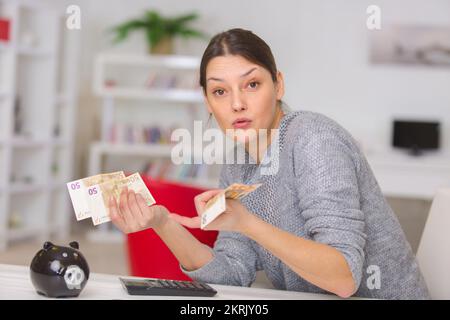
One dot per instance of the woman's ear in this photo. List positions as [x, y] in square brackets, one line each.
[280, 85]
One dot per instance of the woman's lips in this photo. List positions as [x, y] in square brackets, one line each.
[241, 123]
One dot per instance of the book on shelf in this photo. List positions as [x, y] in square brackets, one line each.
[133, 134]
[156, 80]
[171, 81]
[165, 169]
[4, 29]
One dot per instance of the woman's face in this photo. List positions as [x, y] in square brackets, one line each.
[242, 95]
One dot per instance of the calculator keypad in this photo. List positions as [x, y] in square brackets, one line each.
[167, 287]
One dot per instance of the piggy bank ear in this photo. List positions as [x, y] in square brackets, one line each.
[47, 245]
[74, 245]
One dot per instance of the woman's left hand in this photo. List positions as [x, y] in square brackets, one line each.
[233, 218]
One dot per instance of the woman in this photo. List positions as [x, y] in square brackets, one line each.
[318, 224]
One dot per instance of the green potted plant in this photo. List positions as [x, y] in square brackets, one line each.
[160, 31]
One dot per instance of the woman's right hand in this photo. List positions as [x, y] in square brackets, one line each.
[200, 203]
[132, 214]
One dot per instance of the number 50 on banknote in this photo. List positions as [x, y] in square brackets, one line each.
[78, 192]
[100, 194]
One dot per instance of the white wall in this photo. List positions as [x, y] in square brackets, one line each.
[331, 72]
[320, 45]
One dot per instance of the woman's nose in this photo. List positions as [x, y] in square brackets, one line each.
[238, 104]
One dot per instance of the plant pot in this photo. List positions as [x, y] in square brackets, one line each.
[164, 46]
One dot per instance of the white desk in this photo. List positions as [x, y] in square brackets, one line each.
[405, 176]
[15, 283]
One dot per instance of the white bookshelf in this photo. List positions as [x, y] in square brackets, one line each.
[190, 99]
[127, 92]
[172, 95]
[37, 69]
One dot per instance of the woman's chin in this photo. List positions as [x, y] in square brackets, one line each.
[245, 138]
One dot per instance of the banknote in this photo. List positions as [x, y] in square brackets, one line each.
[99, 195]
[216, 205]
[78, 191]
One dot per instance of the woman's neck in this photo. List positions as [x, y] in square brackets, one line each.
[263, 144]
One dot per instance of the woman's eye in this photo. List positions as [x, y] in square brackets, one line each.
[218, 92]
[253, 84]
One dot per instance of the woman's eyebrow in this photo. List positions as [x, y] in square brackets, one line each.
[248, 72]
[241, 76]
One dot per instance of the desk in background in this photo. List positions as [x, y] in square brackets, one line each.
[405, 176]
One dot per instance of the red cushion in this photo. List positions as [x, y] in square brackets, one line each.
[148, 255]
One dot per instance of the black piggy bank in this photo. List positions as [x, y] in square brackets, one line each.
[58, 271]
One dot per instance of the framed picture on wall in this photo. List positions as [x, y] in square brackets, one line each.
[411, 45]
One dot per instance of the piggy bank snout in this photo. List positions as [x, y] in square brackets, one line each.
[74, 277]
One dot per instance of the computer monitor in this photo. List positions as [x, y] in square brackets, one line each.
[416, 136]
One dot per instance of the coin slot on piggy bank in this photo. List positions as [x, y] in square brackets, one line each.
[58, 271]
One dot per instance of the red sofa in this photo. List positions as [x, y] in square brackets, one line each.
[148, 255]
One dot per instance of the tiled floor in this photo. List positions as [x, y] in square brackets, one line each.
[111, 258]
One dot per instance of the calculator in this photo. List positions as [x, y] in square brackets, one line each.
[162, 287]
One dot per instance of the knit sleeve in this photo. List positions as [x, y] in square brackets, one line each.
[235, 261]
[326, 165]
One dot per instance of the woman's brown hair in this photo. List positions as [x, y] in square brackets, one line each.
[242, 43]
